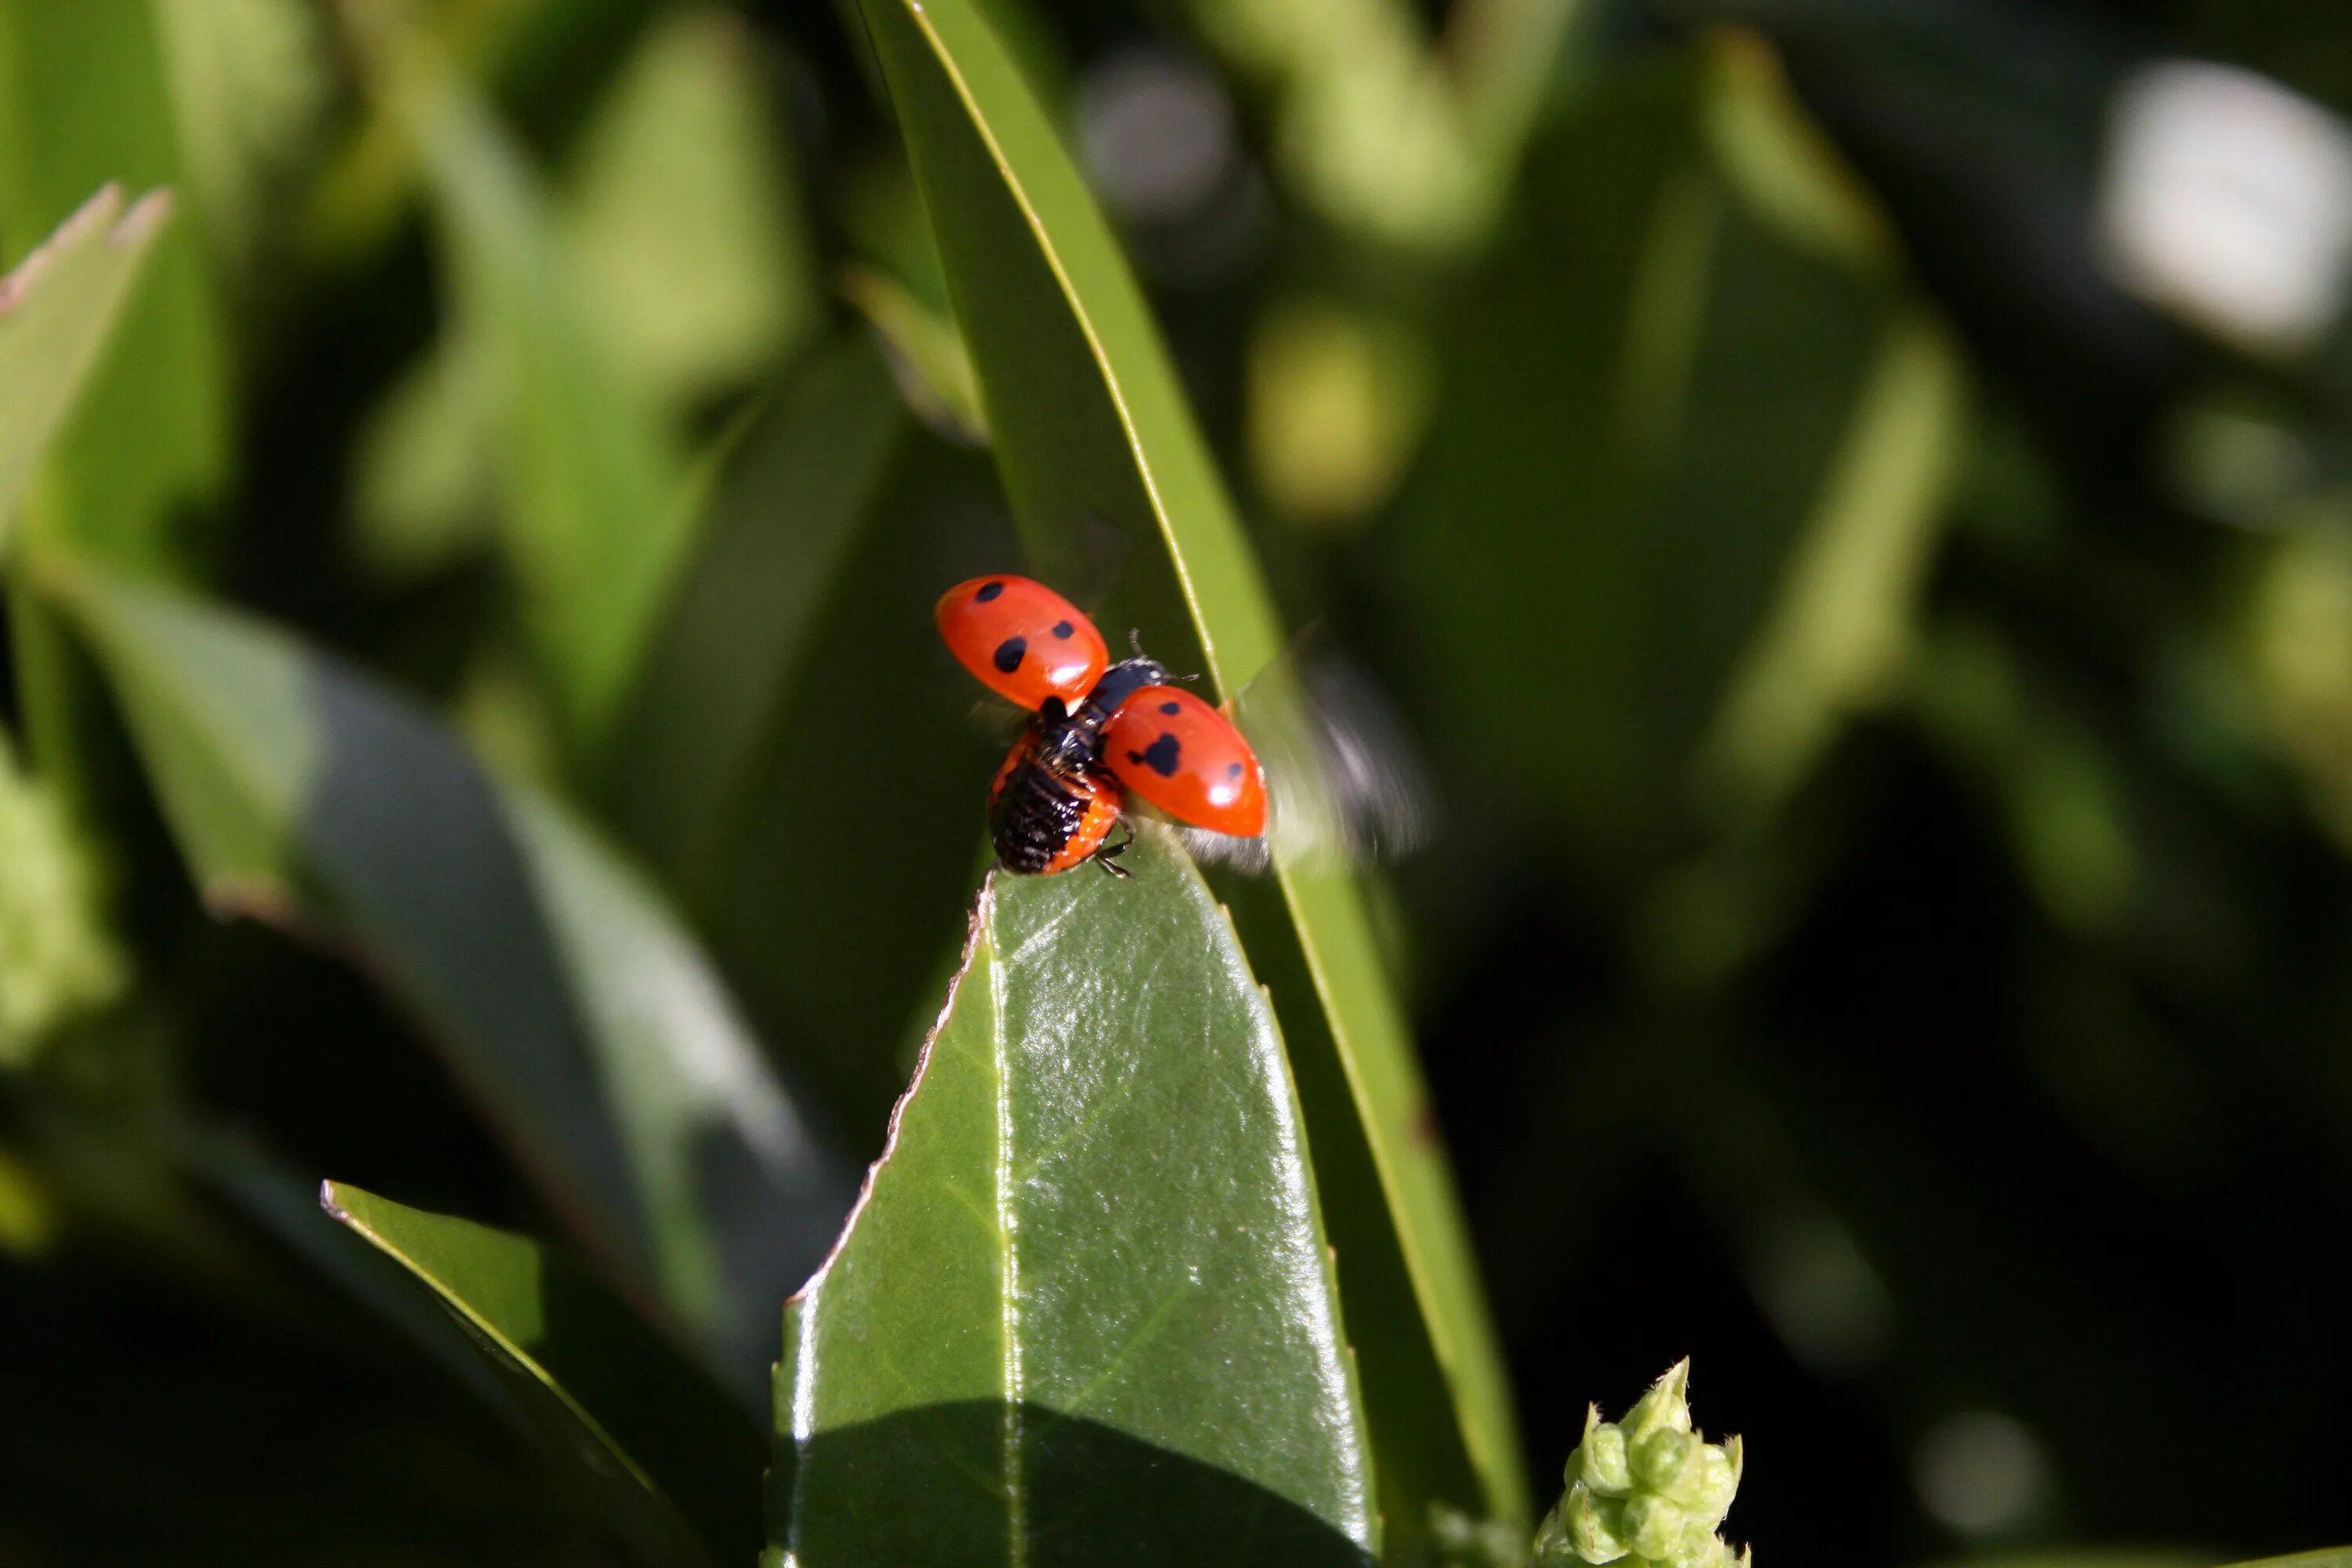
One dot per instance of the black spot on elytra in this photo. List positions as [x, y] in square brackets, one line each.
[1233, 770]
[1171, 708]
[1008, 652]
[1062, 629]
[1160, 756]
[988, 591]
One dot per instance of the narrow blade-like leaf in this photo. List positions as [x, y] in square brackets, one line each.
[1114, 490]
[1084, 1312]
[751, 605]
[674, 1464]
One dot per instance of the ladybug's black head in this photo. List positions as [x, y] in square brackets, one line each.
[1123, 680]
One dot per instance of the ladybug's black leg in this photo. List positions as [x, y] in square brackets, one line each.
[1107, 856]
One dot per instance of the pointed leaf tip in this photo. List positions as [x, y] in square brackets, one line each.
[1093, 1253]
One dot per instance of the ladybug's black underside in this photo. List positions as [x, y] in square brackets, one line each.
[1043, 801]
[1034, 815]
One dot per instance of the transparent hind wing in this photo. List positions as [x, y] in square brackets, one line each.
[1345, 784]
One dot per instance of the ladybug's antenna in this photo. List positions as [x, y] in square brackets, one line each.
[1135, 640]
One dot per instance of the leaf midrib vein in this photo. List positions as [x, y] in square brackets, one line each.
[1017, 1520]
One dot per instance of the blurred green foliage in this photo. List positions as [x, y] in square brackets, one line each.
[1860, 523]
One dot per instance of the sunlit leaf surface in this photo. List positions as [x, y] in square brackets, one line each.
[1084, 1312]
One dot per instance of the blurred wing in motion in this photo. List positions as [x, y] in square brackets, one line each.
[1345, 783]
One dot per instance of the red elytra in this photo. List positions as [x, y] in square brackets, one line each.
[1109, 729]
[1186, 758]
[1022, 640]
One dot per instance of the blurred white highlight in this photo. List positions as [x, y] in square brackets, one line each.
[1979, 1472]
[1157, 133]
[2228, 201]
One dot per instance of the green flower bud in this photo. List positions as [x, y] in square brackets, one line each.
[1649, 1491]
[1553, 1549]
[1665, 1407]
[1699, 1548]
[1653, 1524]
[1669, 1462]
[1596, 1526]
[1600, 1461]
[1719, 1480]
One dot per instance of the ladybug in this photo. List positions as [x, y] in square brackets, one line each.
[1101, 730]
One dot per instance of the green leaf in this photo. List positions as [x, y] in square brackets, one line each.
[250, 80]
[1100, 454]
[1368, 124]
[85, 100]
[567, 998]
[788, 514]
[57, 311]
[1728, 576]
[424, 473]
[596, 503]
[1838, 634]
[652, 1438]
[2329, 1557]
[1085, 1311]
[281, 1203]
[754, 771]
[683, 215]
[58, 956]
[928, 358]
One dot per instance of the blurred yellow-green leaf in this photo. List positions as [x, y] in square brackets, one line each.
[682, 210]
[594, 503]
[250, 84]
[927, 357]
[58, 311]
[85, 101]
[58, 959]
